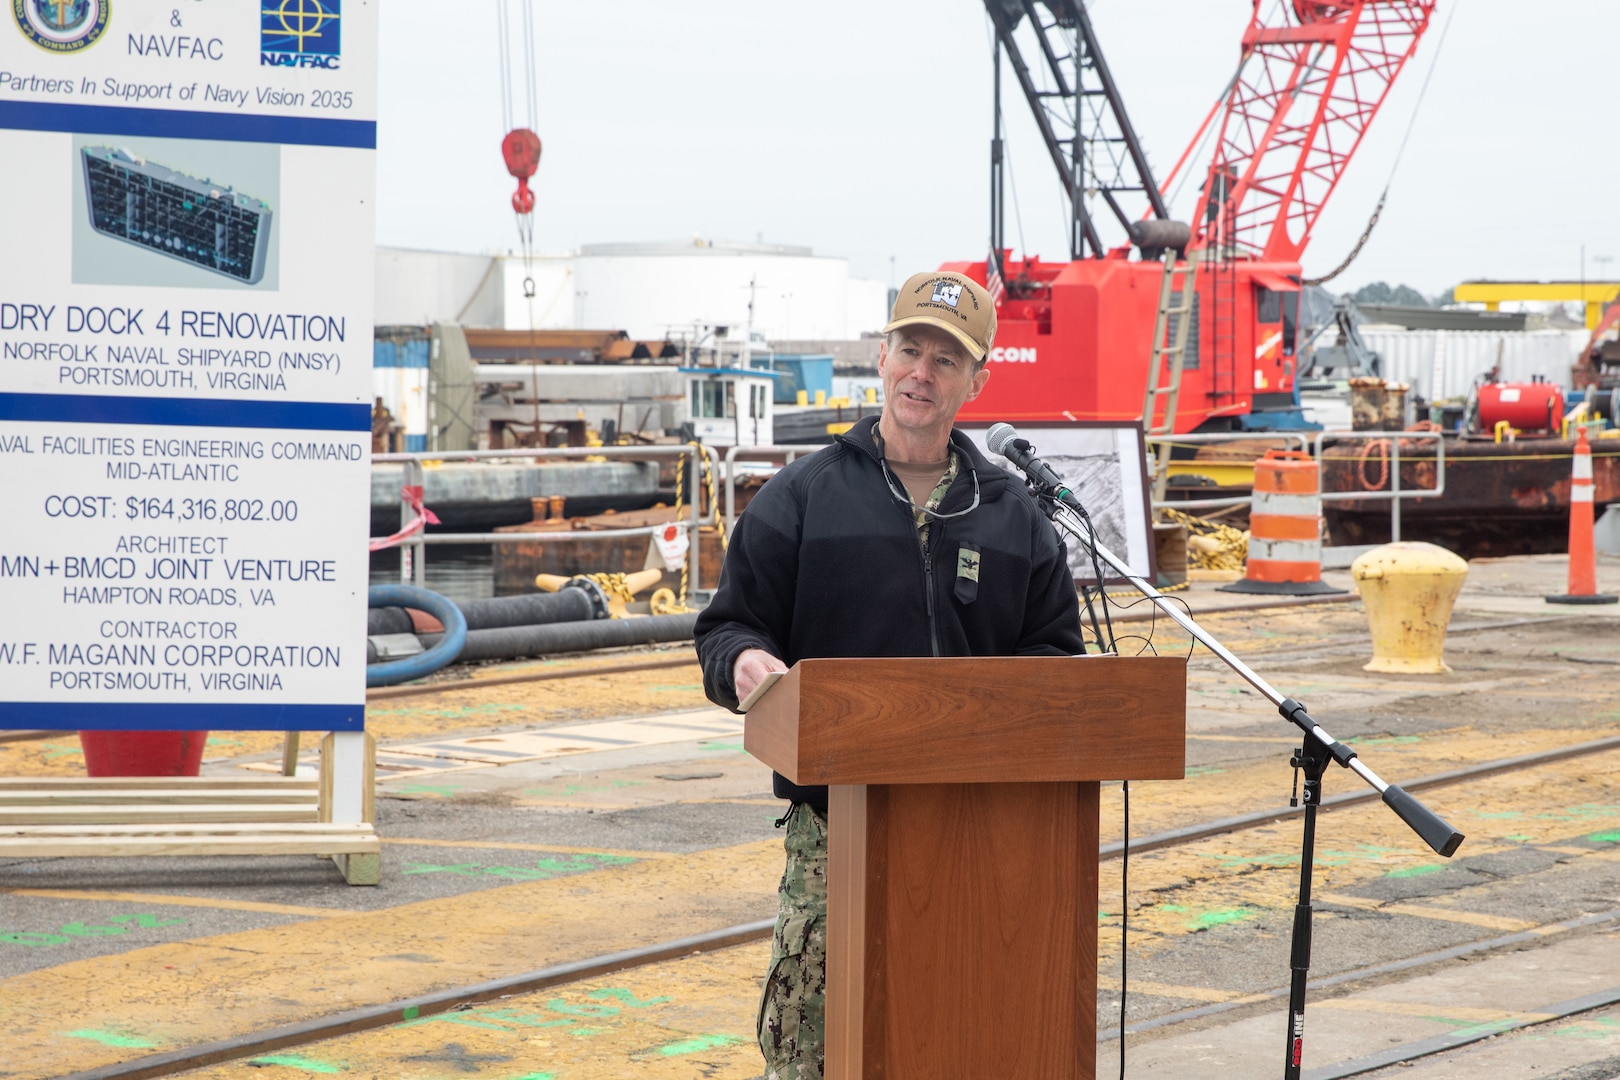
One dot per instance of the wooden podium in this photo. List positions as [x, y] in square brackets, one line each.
[963, 837]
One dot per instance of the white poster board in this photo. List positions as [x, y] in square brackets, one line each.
[1105, 465]
[185, 363]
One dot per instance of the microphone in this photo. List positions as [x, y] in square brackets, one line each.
[1003, 439]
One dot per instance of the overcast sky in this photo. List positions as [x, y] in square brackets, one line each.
[860, 128]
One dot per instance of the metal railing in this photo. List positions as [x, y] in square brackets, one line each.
[1312, 442]
[1294, 440]
[1394, 494]
[413, 549]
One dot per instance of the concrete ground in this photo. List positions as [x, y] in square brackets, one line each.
[1502, 961]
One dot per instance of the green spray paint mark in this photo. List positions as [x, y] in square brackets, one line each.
[112, 1038]
[626, 997]
[220, 740]
[1473, 1028]
[442, 791]
[535, 1076]
[701, 1042]
[410, 1012]
[467, 1018]
[1203, 770]
[1415, 871]
[1210, 919]
[1383, 740]
[587, 1032]
[1362, 853]
[1171, 907]
[558, 1005]
[737, 746]
[117, 924]
[293, 1061]
[56, 750]
[1605, 838]
[1599, 1027]
[542, 870]
[582, 789]
[32, 940]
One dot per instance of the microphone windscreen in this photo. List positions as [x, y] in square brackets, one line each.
[999, 436]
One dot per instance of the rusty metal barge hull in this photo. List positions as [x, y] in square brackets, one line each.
[1499, 499]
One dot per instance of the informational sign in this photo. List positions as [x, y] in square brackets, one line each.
[1104, 464]
[186, 260]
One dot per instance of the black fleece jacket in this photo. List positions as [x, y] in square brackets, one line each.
[826, 561]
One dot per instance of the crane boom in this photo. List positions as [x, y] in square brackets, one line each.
[1313, 75]
[1078, 109]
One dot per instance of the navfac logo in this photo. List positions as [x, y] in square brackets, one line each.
[62, 26]
[301, 33]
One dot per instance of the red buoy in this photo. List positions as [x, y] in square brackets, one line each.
[521, 149]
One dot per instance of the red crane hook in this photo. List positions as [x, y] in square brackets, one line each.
[521, 149]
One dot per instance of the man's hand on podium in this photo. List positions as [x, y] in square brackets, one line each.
[751, 667]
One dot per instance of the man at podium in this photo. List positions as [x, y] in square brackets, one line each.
[899, 540]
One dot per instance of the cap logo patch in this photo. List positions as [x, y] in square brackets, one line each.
[946, 292]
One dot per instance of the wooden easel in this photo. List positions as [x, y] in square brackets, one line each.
[51, 817]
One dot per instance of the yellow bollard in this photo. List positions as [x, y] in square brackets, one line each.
[1409, 588]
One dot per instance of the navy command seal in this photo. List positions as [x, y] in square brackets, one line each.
[900, 539]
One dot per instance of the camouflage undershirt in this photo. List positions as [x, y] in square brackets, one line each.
[952, 470]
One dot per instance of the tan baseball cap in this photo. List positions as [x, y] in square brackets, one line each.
[951, 302]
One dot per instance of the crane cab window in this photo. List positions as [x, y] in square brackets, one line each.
[1271, 306]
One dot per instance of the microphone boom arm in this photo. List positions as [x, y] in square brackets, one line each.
[1434, 831]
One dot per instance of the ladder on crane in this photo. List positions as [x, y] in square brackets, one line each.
[1170, 329]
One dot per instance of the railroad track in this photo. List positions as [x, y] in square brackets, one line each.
[255, 1044]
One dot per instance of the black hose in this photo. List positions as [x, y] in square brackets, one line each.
[513, 642]
[570, 604]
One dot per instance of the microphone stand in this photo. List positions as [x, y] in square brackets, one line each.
[1312, 758]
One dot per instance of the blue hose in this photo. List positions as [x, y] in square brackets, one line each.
[426, 663]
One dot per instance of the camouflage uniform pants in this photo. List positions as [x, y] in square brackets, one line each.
[792, 1011]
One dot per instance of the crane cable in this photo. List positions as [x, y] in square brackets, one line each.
[525, 220]
[1372, 222]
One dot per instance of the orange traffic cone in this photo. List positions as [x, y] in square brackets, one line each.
[1582, 550]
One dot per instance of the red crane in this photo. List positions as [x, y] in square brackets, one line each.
[1307, 88]
[1076, 337]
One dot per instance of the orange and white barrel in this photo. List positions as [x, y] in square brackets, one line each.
[1285, 528]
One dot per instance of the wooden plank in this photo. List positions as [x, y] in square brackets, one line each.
[224, 845]
[145, 783]
[128, 814]
[154, 797]
[247, 828]
[359, 868]
[975, 720]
